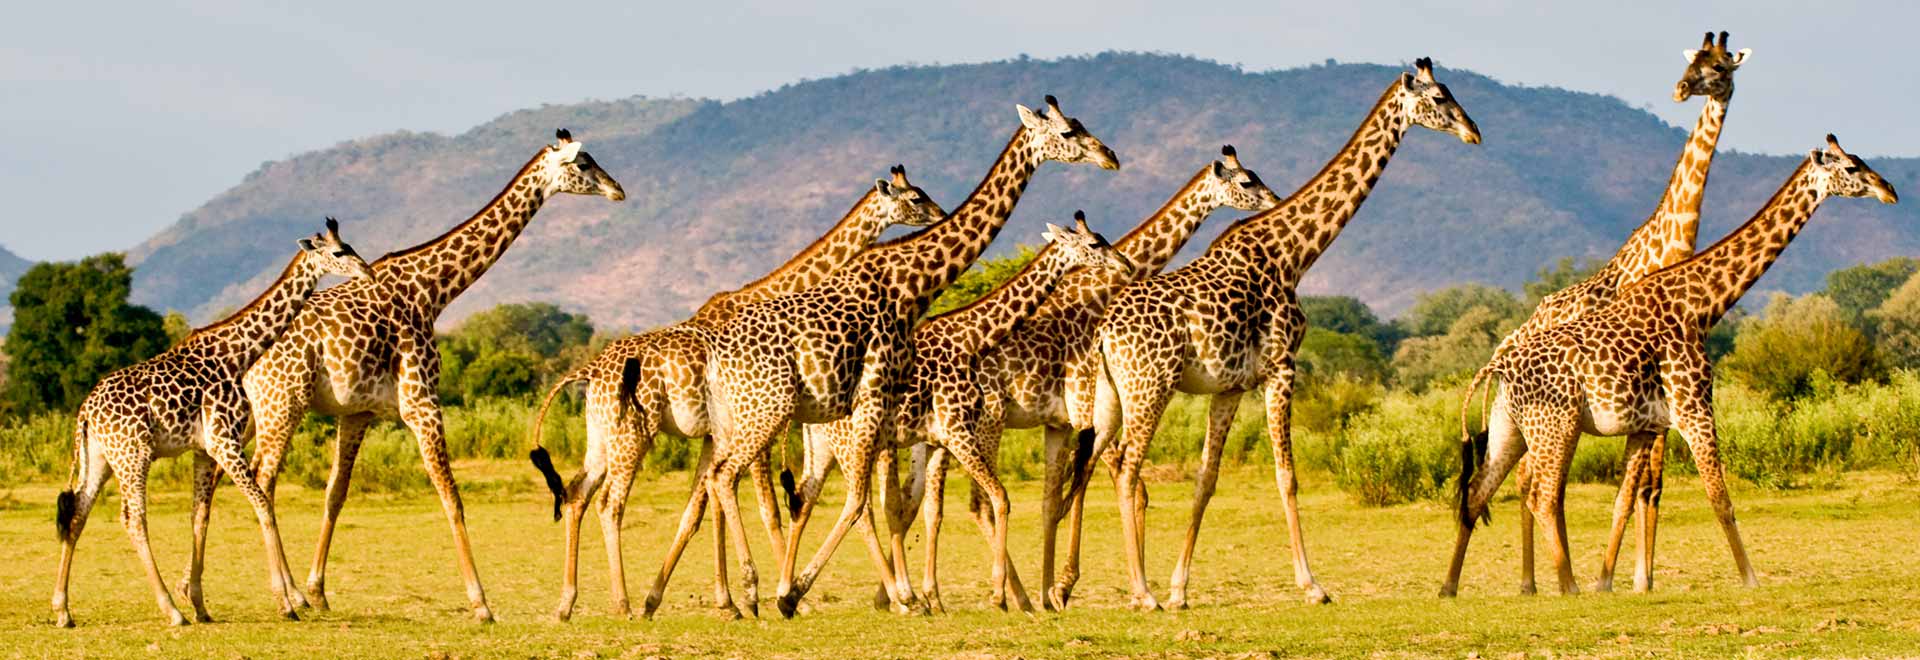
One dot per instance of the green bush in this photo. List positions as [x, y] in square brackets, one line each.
[1780, 353]
[1405, 450]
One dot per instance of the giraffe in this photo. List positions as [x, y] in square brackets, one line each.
[364, 351]
[1666, 238]
[1230, 321]
[188, 399]
[1042, 369]
[670, 392]
[1638, 366]
[941, 399]
[836, 350]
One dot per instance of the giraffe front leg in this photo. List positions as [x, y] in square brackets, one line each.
[1059, 459]
[205, 475]
[1219, 421]
[420, 411]
[689, 523]
[223, 446]
[727, 506]
[613, 509]
[864, 423]
[346, 449]
[1690, 391]
[92, 476]
[1279, 433]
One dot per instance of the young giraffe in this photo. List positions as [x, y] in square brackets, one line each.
[1230, 321]
[1666, 238]
[1044, 368]
[365, 350]
[671, 391]
[1638, 366]
[188, 399]
[942, 399]
[837, 349]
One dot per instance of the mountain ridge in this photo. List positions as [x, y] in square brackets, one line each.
[719, 193]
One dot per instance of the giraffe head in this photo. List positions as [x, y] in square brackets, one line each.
[1064, 139]
[570, 170]
[327, 254]
[1237, 186]
[903, 203]
[1843, 174]
[1709, 70]
[1082, 246]
[1427, 102]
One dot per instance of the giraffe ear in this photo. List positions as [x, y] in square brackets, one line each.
[1053, 232]
[1689, 54]
[883, 187]
[1030, 119]
[306, 244]
[1219, 170]
[565, 153]
[1740, 57]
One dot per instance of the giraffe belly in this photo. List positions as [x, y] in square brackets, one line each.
[339, 393]
[1617, 418]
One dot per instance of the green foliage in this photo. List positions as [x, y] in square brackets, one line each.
[1810, 440]
[1347, 314]
[1464, 348]
[1564, 273]
[72, 326]
[510, 349]
[1435, 313]
[1406, 449]
[176, 326]
[1896, 324]
[1864, 287]
[1328, 354]
[1797, 338]
[984, 276]
[35, 446]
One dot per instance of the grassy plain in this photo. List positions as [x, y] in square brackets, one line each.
[1838, 578]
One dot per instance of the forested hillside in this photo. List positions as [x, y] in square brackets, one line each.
[721, 192]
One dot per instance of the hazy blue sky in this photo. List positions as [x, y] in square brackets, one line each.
[117, 117]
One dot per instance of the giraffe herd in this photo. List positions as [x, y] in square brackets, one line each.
[1088, 342]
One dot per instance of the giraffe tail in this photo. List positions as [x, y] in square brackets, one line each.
[1473, 451]
[65, 505]
[543, 461]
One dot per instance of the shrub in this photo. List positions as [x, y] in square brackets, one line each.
[1405, 450]
[1780, 353]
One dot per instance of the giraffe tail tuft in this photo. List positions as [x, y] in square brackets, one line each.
[1082, 458]
[544, 462]
[793, 494]
[1473, 451]
[66, 504]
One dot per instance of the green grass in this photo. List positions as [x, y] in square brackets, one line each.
[1836, 572]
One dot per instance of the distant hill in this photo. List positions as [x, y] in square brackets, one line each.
[12, 266]
[721, 192]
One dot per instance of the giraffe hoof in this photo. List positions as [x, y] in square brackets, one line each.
[1449, 591]
[317, 597]
[1318, 596]
[648, 607]
[1177, 604]
[730, 613]
[562, 615]
[63, 620]
[620, 609]
[286, 614]
[788, 604]
[1528, 590]
[178, 620]
[202, 617]
[483, 615]
[1603, 586]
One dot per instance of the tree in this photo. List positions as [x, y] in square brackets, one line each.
[1864, 287]
[72, 326]
[1563, 274]
[1897, 325]
[510, 349]
[1435, 312]
[984, 276]
[1466, 346]
[1346, 314]
[1780, 352]
[1328, 354]
[177, 327]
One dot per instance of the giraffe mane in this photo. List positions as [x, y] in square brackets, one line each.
[978, 189]
[1772, 201]
[531, 163]
[1286, 204]
[251, 304]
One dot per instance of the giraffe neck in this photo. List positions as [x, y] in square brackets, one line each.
[986, 321]
[1722, 273]
[857, 230]
[247, 334]
[1306, 222]
[1667, 237]
[1153, 244]
[938, 254]
[432, 274]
